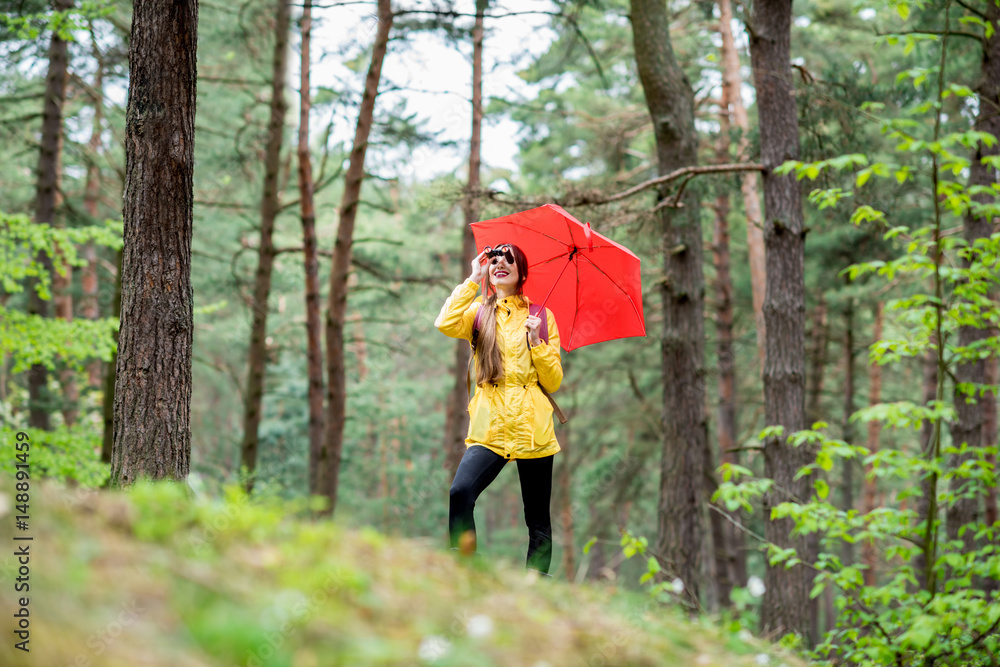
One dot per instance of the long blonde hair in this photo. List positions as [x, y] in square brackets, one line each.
[489, 357]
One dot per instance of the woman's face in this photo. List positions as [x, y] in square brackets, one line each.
[503, 272]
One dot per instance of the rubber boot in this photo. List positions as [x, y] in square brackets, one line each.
[478, 555]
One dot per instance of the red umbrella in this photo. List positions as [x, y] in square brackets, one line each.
[590, 283]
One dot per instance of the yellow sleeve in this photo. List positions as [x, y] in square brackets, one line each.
[459, 311]
[546, 358]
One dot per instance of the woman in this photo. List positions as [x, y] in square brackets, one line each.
[509, 416]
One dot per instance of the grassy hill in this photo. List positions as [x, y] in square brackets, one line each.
[157, 577]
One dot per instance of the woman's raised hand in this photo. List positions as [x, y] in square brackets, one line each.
[479, 270]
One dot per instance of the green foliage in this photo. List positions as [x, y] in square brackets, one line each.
[946, 613]
[31, 339]
[62, 453]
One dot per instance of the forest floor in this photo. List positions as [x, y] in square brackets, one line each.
[155, 577]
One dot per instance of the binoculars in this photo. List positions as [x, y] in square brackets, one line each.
[500, 251]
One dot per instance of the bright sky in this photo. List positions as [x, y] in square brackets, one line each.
[425, 62]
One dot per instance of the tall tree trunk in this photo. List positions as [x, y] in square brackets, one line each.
[847, 428]
[870, 499]
[314, 348]
[820, 338]
[89, 305]
[786, 600]
[671, 107]
[929, 364]
[726, 538]
[990, 432]
[731, 81]
[814, 382]
[336, 390]
[109, 377]
[968, 427]
[257, 354]
[153, 388]
[566, 511]
[46, 201]
[456, 413]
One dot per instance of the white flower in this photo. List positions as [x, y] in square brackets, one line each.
[677, 585]
[762, 659]
[479, 625]
[744, 635]
[433, 648]
[756, 586]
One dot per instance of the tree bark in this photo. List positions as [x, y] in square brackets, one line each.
[820, 338]
[847, 428]
[786, 600]
[314, 348]
[671, 107]
[990, 433]
[257, 353]
[726, 537]
[336, 390]
[566, 511]
[870, 498]
[89, 305]
[46, 201]
[152, 421]
[456, 414]
[107, 446]
[929, 364]
[968, 427]
[731, 83]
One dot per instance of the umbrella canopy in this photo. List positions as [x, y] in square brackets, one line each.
[590, 283]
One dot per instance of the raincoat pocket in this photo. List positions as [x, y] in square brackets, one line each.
[543, 427]
[479, 417]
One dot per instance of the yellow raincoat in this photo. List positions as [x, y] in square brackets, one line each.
[512, 418]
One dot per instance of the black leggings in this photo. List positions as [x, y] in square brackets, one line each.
[479, 467]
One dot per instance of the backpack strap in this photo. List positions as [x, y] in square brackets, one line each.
[543, 333]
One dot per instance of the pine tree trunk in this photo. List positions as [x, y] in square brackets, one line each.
[725, 536]
[817, 361]
[314, 348]
[786, 600]
[968, 427]
[671, 107]
[870, 499]
[566, 511]
[152, 420]
[46, 201]
[847, 428]
[929, 364]
[990, 433]
[336, 390]
[89, 305]
[731, 81]
[456, 414]
[257, 353]
[107, 446]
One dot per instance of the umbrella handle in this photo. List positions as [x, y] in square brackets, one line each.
[565, 266]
